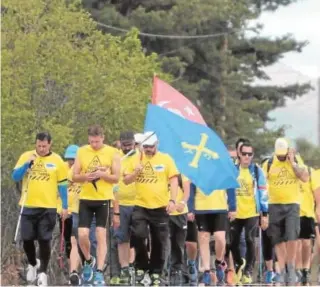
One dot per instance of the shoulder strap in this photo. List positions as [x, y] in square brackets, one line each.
[180, 181]
[19, 186]
[270, 161]
[310, 173]
[256, 173]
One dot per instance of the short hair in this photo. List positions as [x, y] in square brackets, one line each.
[246, 144]
[95, 130]
[44, 136]
[241, 140]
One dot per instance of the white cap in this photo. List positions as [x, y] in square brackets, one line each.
[281, 147]
[150, 138]
[138, 138]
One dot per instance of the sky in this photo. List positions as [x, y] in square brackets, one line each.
[301, 19]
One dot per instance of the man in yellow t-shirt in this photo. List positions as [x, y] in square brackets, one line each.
[307, 226]
[178, 231]
[43, 174]
[125, 195]
[284, 175]
[97, 167]
[252, 202]
[153, 204]
[211, 215]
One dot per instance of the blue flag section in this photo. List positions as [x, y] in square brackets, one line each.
[198, 151]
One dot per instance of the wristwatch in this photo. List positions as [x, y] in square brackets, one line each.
[173, 201]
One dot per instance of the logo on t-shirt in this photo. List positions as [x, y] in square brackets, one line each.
[94, 164]
[285, 177]
[147, 175]
[39, 172]
[244, 189]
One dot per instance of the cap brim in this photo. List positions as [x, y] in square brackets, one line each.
[149, 143]
[281, 152]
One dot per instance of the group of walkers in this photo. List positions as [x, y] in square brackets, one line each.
[159, 225]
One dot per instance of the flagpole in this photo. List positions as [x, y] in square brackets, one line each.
[154, 89]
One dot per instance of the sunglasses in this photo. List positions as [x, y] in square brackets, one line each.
[247, 154]
[148, 146]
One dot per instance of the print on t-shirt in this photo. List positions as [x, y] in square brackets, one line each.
[94, 164]
[147, 174]
[39, 172]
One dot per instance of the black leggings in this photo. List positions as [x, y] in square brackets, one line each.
[44, 253]
[267, 247]
[250, 226]
[67, 234]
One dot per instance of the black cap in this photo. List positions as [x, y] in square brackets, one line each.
[127, 136]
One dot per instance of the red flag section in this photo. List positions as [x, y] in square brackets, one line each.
[169, 98]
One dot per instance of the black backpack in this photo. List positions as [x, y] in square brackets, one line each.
[270, 162]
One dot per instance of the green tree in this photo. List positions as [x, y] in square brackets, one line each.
[217, 73]
[310, 153]
[61, 74]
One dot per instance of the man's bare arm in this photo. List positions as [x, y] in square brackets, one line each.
[130, 178]
[174, 187]
[186, 191]
[114, 175]
[316, 193]
[301, 172]
[77, 176]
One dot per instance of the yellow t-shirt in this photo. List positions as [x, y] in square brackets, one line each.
[90, 160]
[307, 201]
[126, 194]
[217, 200]
[152, 183]
[246, 203]
[180, 197]
[41, 181]
[73, 194]
[284, 186]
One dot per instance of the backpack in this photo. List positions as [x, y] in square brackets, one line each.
[270, 162]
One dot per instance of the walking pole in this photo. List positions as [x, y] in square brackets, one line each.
[61, 263]
[260, 275]
[109, 237]
[24, 198]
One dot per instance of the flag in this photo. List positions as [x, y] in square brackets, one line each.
[169, 98]
[197, 150]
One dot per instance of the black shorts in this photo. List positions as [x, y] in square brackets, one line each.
[38, 223]
[192, 232]
[284, 222]
[90, 208]
[307, 228]
[212, 222]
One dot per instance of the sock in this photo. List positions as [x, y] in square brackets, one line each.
[218, 262]
[99, 270]
[89, 261]
[30, 250]
[191, 262]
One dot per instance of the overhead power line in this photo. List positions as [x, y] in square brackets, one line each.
[178, 37]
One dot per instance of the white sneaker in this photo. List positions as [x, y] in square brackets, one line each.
[32, 271]
[42, 279]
